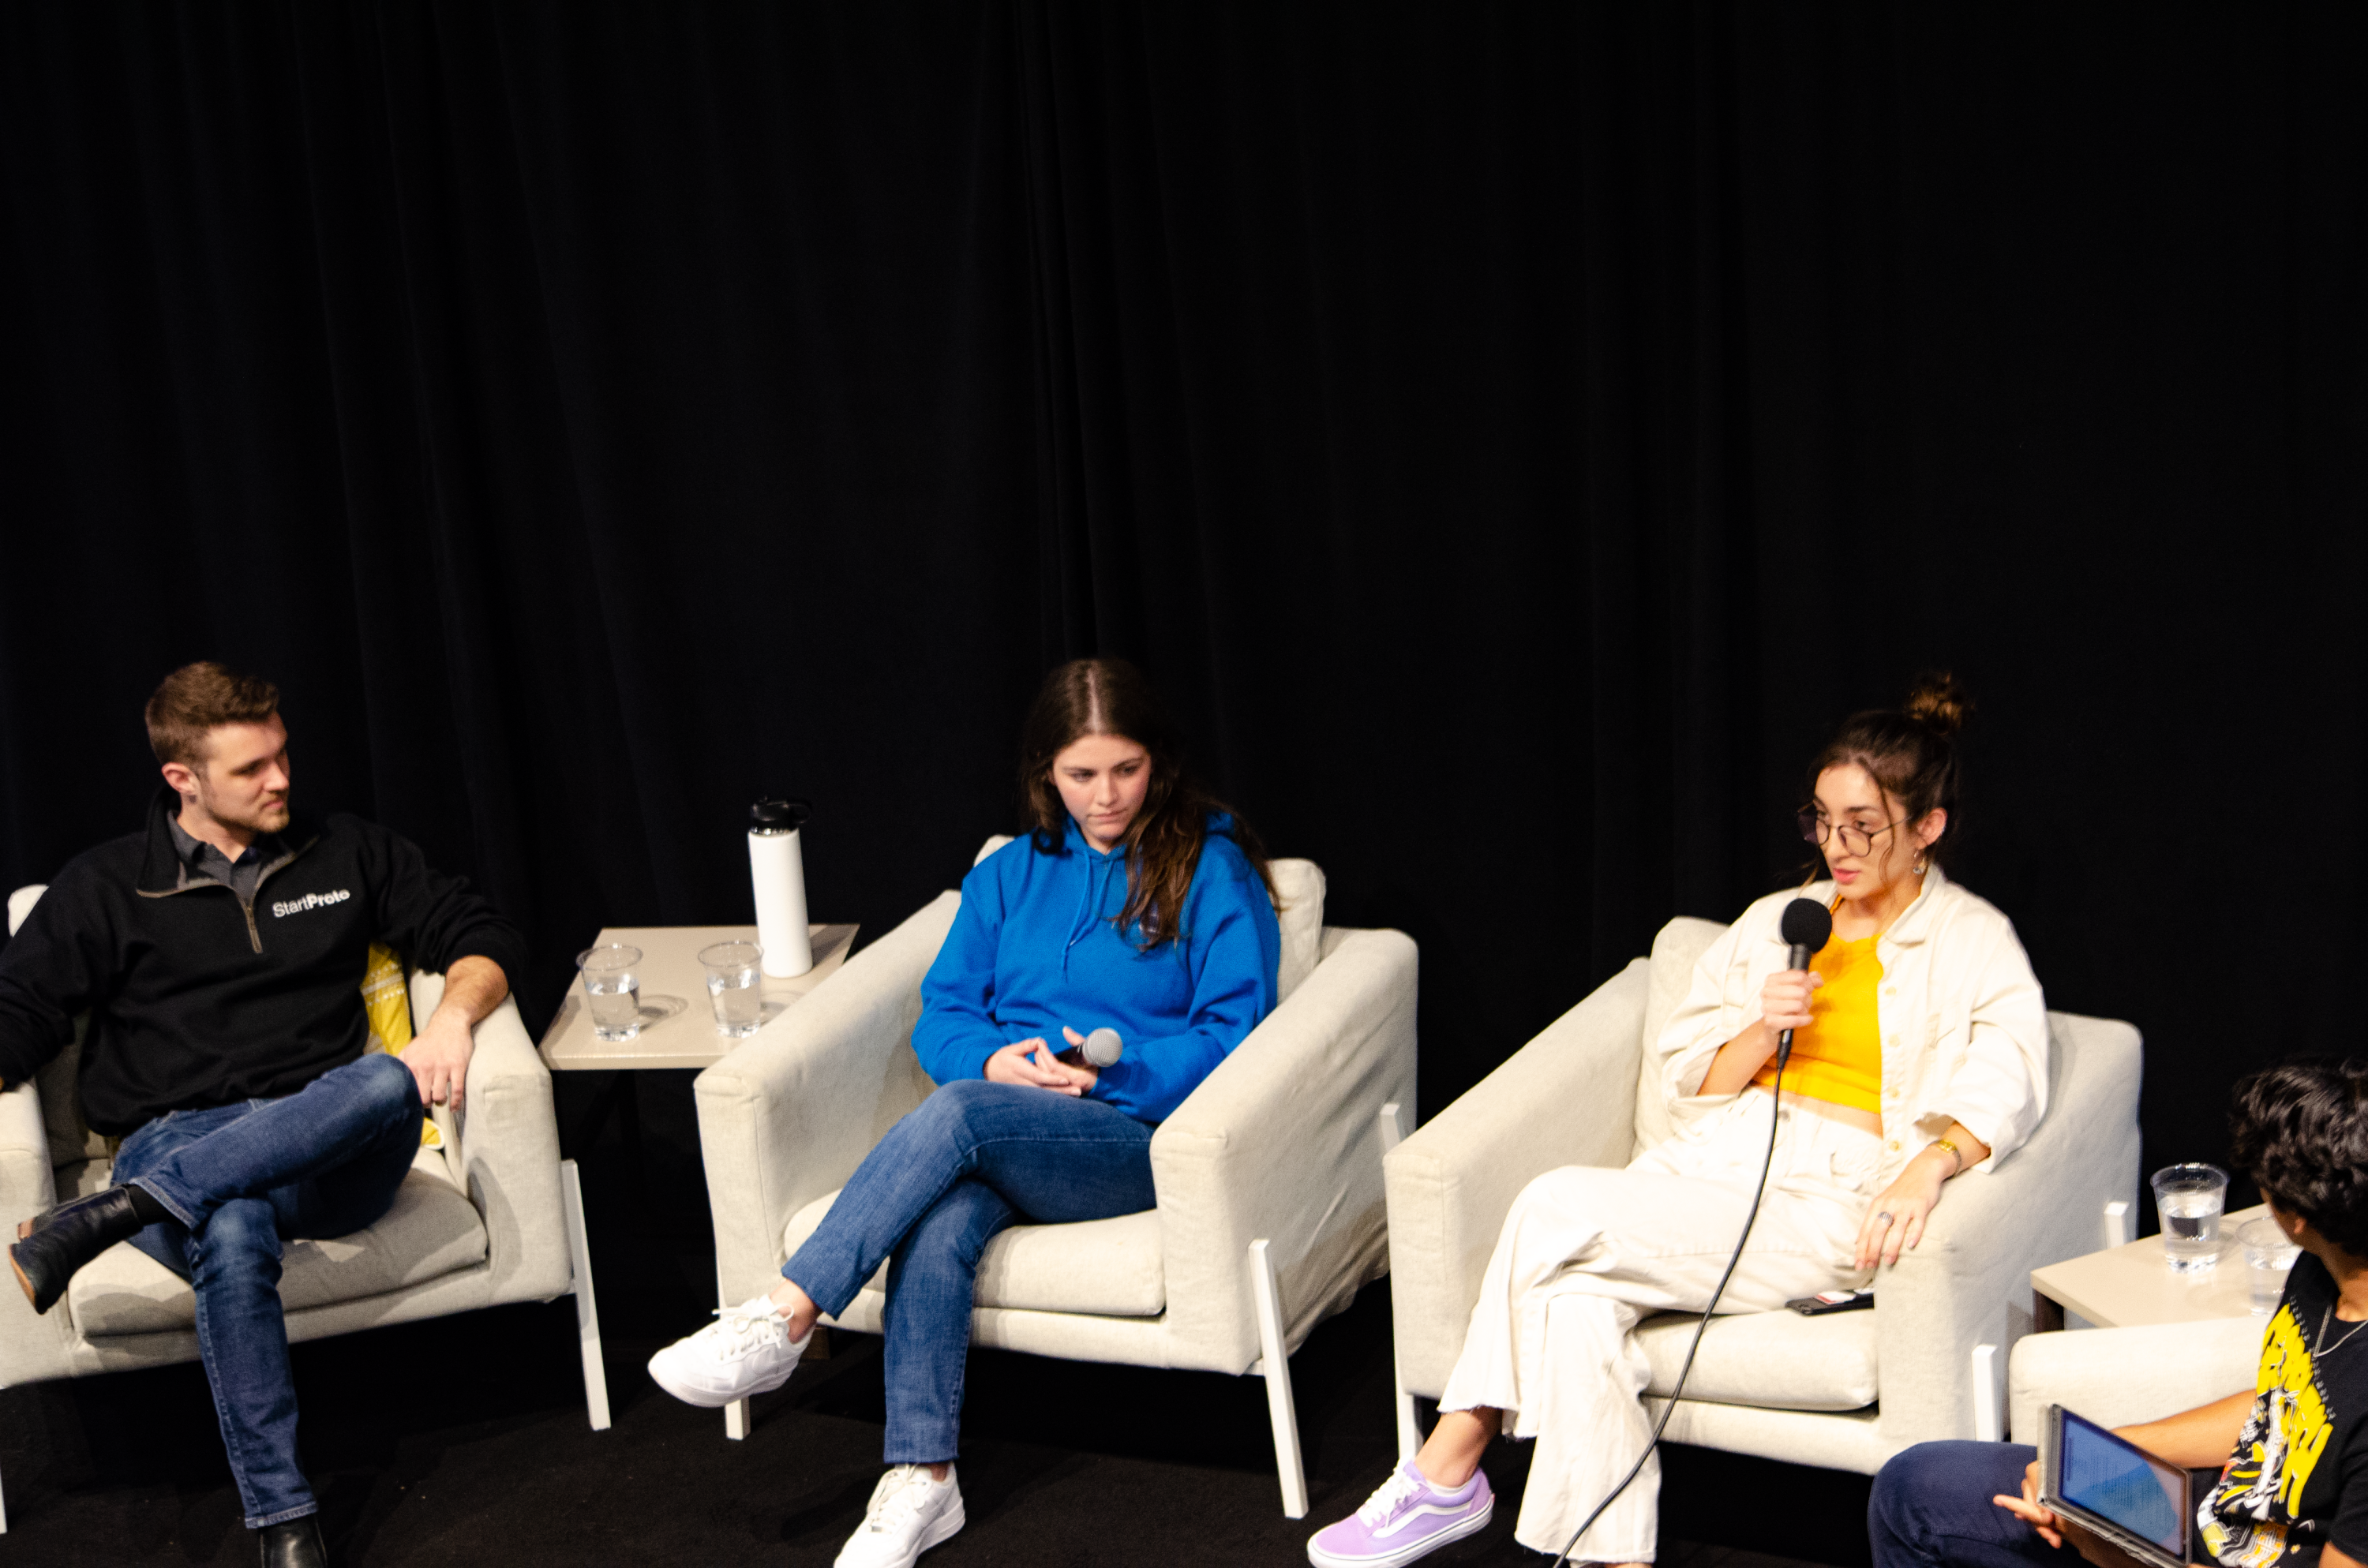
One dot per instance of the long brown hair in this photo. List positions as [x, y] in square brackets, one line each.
[1910, 752]
[1110, 697]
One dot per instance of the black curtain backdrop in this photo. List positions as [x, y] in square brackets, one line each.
[1513, 436]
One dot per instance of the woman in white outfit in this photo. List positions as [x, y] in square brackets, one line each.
[1919, 1056]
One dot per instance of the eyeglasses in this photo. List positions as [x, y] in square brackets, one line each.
[1855, 840]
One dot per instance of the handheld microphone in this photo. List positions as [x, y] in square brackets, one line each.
[1101, 1047]
[1807, 926]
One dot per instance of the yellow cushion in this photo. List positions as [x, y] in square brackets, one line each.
[387, 1000]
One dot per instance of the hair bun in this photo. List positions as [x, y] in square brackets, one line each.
[1940, 704]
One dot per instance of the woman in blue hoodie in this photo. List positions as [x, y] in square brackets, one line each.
[1136, 903]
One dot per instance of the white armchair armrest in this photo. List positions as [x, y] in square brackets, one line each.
[28, 1184]
[31, 1348]
[1282, 1143]
[503, 1148]
[2121, 1375]
[1568, 1097]
[788, 1116]
[1969, 1282]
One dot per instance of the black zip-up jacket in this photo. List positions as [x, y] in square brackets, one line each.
[198, 999]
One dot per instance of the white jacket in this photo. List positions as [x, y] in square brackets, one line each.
[1965, 1027]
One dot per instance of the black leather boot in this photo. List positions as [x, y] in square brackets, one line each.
[56, 1242]
[293, 1543]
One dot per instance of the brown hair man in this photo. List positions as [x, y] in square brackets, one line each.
[217, 954]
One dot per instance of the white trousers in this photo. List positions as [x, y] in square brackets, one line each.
[1587, 1252]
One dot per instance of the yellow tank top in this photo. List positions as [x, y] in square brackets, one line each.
[1838, 1058]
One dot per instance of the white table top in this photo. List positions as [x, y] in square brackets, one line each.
[677, 1022]
[2131, 1285]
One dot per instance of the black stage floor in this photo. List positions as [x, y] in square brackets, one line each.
[465, 1440]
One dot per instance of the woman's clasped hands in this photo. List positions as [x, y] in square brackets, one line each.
[1032, 1063]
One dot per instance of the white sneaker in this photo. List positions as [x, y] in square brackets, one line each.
[745, 1350]
[909, 1514]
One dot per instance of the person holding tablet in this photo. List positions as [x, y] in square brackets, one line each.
[1136, 903]
[1920, 1055]
[2292, 1451]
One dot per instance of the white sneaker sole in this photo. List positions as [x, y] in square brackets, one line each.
[947, 1526]
[662, 1374]
[1414, 1551]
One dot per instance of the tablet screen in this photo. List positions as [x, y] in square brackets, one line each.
[2117, 1482]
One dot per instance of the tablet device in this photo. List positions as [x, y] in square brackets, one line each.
[2114, 1488]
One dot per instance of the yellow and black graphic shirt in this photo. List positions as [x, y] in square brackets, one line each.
[2299, 1477]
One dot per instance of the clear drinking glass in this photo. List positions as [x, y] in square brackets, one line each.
[733, 986]
[2268, 1254]
[612, 988]
[2189, 1199]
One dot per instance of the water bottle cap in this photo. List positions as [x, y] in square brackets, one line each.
[779, 816]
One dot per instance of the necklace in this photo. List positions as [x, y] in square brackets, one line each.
[2323, 1348]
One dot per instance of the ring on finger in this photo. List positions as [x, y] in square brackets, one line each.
[1884, 1215]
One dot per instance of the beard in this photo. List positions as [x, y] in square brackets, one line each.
[254, 817]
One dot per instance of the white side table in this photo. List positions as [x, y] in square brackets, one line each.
[2125, 1286]
[677, 1022]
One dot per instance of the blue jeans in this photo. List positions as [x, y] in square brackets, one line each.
[323, 1162]
[974, 1158]
[1931, 1506]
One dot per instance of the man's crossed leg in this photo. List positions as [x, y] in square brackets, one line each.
[212, 1194]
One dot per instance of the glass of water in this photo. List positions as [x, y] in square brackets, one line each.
[2269, 1253]
[612, 988]
[2189, 1199]
[733, 986]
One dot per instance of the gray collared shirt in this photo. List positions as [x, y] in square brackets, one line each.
[203, 859]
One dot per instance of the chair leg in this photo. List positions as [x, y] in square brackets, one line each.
[4, 1513]
[587, 1311]
[1409, 1429]
[1990, 1426]
[2117, 1224]
[1276, 1363]
[737, 1419]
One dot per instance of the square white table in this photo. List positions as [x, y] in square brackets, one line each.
[677, 1019]
[2125, 1286]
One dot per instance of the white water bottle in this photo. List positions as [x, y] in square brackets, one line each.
[777, 865]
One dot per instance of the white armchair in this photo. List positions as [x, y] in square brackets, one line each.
[2122, 1376]
[1268, 1178]
[496, 1216]
[1844, 1391]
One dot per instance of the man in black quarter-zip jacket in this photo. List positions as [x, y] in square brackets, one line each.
[218, 953]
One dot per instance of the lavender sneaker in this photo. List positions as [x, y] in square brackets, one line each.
[1408, 1519]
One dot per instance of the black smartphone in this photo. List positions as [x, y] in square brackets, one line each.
[1826, 1301]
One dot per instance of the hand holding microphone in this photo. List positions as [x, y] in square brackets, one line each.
[1031, 1065]
[1097, 1050]
[1784, 1000]
[1089, 1052]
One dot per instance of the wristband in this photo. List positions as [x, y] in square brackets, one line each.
[1955, 1154]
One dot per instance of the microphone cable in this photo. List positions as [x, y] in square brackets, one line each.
[1775, 1121]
